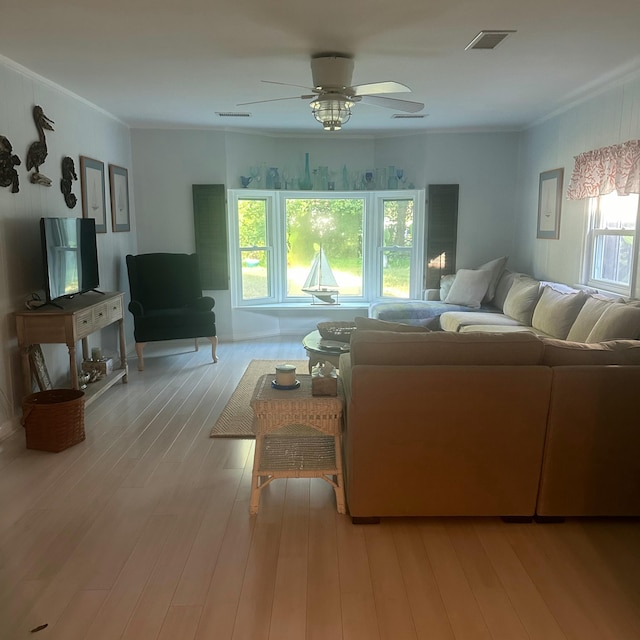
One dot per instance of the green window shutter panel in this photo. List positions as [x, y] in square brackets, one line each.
[442, 233]
[210, 223]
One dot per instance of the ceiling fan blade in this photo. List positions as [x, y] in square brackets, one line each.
[242, 104]
[287, 84]
[380, 87]
[393, 103]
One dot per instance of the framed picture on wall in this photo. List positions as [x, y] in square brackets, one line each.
[549, 204]
[93, 197]
[119, 190]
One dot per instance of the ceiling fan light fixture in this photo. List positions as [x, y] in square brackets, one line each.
[331, 111]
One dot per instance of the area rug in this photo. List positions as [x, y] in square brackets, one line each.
[236, 419]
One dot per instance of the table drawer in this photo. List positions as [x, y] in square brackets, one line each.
[84, 324]
[115, 309]
[101, 316]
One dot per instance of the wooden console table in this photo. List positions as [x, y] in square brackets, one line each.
[78, 317]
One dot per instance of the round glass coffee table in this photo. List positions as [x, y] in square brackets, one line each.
[320, 350]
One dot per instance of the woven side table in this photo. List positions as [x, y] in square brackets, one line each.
[297, 436]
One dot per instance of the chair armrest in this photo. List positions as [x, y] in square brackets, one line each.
[206, 303]
[431, 294]
[136, 308]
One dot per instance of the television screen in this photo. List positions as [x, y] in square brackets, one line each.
[70, 256]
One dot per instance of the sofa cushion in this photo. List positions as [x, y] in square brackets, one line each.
[416, 312]
[373, 324]
[496, 328]
[469, 287]
[556, 312]
[592, 309]
[618, 322]
[522, 299]
[455, 320]
[444, 348]
[564, 352]
[496, 267]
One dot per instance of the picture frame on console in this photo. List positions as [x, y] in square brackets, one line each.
[93, 192]
[119, 192]
[549, 204]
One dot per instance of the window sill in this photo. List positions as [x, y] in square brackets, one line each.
[280, 306]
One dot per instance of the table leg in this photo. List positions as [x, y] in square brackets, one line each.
[26, 369]
[73, 366]
[339, 488]
[123, 349]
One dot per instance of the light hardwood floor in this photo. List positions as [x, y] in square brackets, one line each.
[143, 532]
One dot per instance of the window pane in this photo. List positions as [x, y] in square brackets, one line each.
[334, 224]
[613, 258]
[255, 282]
[252, 223]
[252, 226]
[618, 212]
[398, 223]
[396, 273]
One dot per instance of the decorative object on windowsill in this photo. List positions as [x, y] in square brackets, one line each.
[324, 380]
[68, 174]
[245, 181]
[340, 331]
[8, 160]
[37, 153]
[321, 282]
[306, 183]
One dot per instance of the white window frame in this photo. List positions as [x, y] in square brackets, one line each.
[373, 227]
[593, 233]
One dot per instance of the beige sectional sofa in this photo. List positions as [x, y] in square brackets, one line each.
[552, 310]
[485, 424]
[508, 302]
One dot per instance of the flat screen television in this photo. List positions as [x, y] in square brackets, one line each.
[70, 256]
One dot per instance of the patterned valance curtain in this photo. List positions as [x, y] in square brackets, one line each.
[602, 171]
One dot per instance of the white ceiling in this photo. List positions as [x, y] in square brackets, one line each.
[175, 63]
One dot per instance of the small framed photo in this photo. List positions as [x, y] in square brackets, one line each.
[549, 204]
[93, 196]
[119, 190]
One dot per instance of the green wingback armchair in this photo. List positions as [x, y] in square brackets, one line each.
[167, 301]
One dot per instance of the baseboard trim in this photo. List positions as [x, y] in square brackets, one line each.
[9, 427]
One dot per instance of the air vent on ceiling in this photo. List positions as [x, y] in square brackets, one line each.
[233, 114]
[407, 116]
[488, 39]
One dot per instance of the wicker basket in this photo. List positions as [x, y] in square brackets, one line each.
[54, 420]
[340, 331]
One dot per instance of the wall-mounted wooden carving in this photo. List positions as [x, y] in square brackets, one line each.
[8, 160]
[68, 174]
[37, 153]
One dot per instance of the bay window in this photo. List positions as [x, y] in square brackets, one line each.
[369, 240]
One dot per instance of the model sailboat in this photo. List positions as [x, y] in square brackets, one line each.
[321, 282]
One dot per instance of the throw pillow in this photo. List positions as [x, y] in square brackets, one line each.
[556, 312]
[469, 288]
[373, 324]
[445, 285]
[521, 299]
[591, 311]
[496, 267]
[618, 322]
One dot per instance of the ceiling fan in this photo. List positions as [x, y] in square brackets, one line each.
[333, 95]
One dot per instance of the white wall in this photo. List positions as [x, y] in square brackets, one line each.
[80, 129]
[611, 117]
